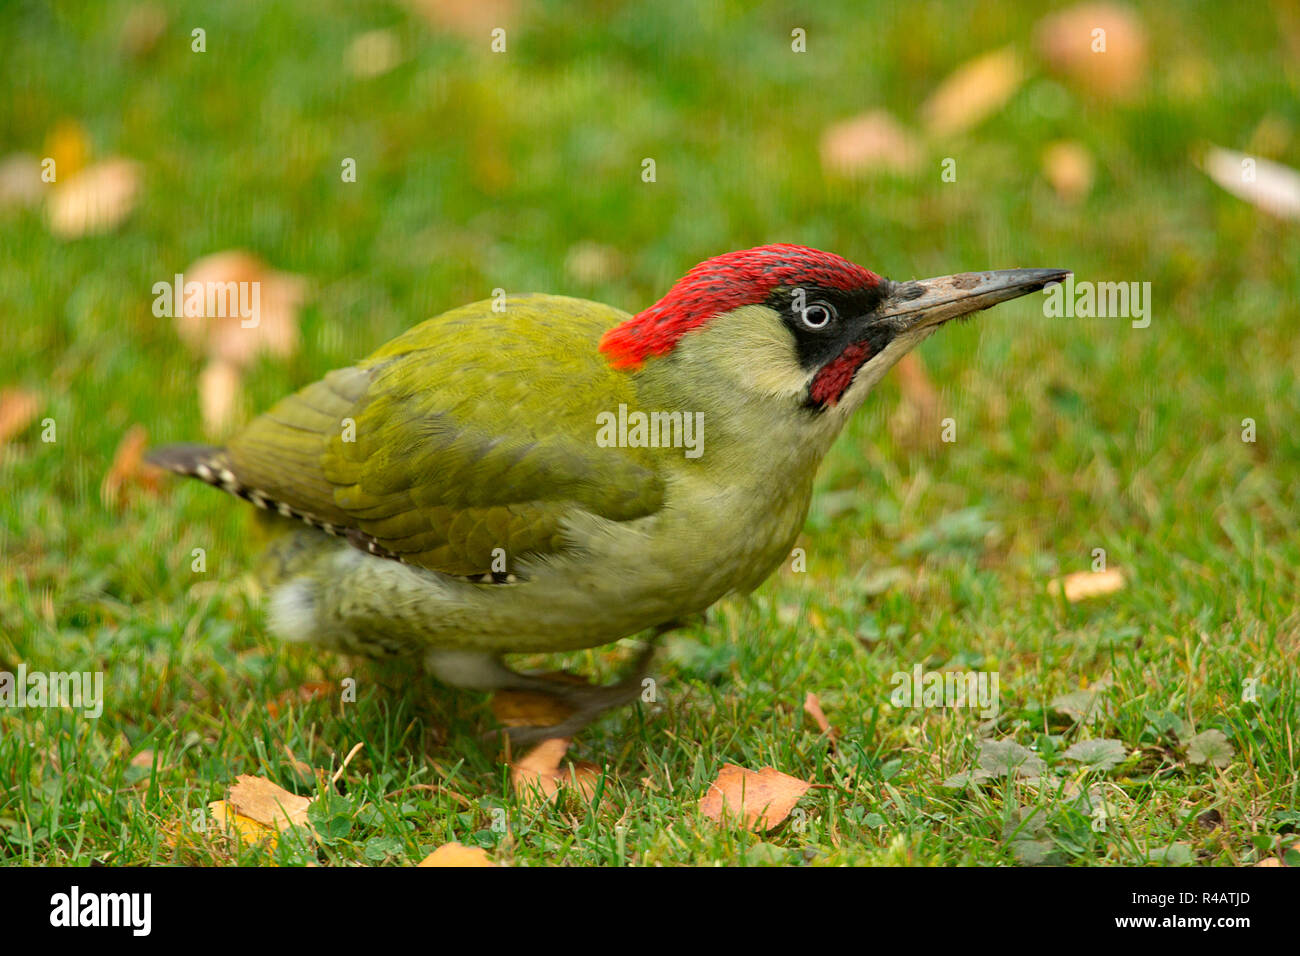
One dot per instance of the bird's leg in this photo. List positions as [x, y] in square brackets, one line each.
[588, 702]
[480, 670]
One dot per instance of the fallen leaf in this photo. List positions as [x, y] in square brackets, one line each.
[1271, 861]
[249, 830]
[18, 409]
[373, 53]
[915, 423]
[267, 803]
[1087, 584]
[763, 799]
[1101, 47]
[20, 181]
[304, 693]
[457, 854]
[95, 200]
[219, 390]
[1069, 169]
[592, 262]
[972, 93]
[236, 323]
[1266, 185]
[538, 775]
[813, 708]
[470, 18]
[68, 144]
[143, 759]
[867, 143]
[129, 469]
[142, 28]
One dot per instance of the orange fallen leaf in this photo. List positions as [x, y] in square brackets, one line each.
[538, 775]
[1101, 47]
[234, 307]
[1068, 167]
[18, 409]
[973, 92]
[1086, 584]
[129, 469]
[864, 144]
[304, 693]
[1270, 861]
[763, 799]
[95, 200]
[457, 854]
[813, 708]
[471, 18]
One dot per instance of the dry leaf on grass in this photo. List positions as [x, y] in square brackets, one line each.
[1269, 186]
[973, 92]
[538, 775]
[1086, 584]
[18, 409]
[457, 854]
[68, 144]
[95, 200]
[210, 316]
[129, 469]
[813, 708]
[373, 53]
[232, 308]
[20, 181]
[1101, 47]
[472, 19]
[304, 693]
[1068, 167]
[915, 423]
[763, 799]
[258, 809]
[864, 144]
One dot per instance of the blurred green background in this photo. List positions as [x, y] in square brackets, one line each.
[523, 170]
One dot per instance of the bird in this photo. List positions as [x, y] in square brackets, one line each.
[538, 473]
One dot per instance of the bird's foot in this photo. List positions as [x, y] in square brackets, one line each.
[586, 702]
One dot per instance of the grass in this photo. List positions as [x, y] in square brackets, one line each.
[479, 171]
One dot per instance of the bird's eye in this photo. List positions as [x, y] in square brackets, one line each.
[817, 315]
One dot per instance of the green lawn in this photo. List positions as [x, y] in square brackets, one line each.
[478, 171]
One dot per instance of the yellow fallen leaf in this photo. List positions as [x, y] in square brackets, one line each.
[373, 53]
[68, 144]
[1087, 584]
[974, 91]
[1068, 167]
[95, 200]
[457, 854]
[867, 143]
[248, 830]
[763, 799]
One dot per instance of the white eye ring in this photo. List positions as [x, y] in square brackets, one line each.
[817, 316]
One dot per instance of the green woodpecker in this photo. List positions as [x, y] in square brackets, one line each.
[542, 473]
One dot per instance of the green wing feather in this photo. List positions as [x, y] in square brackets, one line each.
[473, 431]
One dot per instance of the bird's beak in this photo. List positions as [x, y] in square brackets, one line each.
[925, 303]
